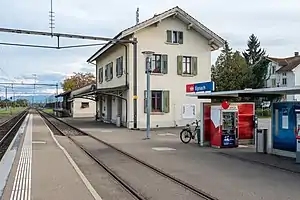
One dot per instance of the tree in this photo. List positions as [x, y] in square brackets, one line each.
[78, 80]
[255, 58]
[254, 53]
[230, 71]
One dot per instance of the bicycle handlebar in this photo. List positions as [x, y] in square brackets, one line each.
[195, 122]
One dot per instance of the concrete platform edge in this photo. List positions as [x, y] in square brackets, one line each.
[10, 155]
[76, 168]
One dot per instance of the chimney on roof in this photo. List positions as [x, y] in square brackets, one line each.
[296, 53]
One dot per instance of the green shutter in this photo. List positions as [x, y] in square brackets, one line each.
[164, 60]
[166, 101]
[117, 66]
[106, 73]
[180, 37]
[169, 36]
[121, 66]
[194, 66]
[179, 65]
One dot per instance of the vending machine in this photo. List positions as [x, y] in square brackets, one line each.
[229, 135]
[224, 126]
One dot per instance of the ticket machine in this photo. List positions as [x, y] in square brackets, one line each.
[229, 134]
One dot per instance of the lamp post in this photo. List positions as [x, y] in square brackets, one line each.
[148, 55]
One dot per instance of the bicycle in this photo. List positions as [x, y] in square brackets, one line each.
[187, 133]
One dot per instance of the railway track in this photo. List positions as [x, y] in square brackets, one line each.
[63, 128]
[8, 130]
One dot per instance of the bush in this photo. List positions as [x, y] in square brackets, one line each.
[263, 112]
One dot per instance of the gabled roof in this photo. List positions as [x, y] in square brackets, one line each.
[180, 14]
[287, 64]
[86, 87]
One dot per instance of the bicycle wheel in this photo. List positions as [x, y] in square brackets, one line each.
[185, 136]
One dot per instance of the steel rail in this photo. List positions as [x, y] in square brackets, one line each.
[123, 183]
[180, 182]
[12, 128]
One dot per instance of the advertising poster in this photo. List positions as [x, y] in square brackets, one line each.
[285, 119]
[189, 111]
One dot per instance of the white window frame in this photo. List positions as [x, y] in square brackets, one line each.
[185, 68]
[284, 81]
[119, 66]
[100, 75]
[273, 80]
[175, 36]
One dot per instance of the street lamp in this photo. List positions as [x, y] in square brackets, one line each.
[148, 55]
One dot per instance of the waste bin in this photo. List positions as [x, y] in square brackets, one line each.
[261, 140]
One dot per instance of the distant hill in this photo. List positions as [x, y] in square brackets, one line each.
[37, 98]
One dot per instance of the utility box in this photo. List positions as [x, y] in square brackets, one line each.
[261, 142]
[118, 122]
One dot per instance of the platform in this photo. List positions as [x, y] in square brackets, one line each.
[42, 169]
[225, 177]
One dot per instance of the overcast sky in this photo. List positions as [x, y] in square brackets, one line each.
[275, 22]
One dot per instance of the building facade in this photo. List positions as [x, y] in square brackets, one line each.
[73, 106]
[182, 55]
[284, 72]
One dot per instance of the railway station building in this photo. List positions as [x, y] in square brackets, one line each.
[182, 49]
[77, 107]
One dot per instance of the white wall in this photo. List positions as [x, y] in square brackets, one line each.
[296, 73]
[111, 56]
[77, 111]
[154, 38]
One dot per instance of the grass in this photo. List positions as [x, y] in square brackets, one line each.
[48, 110]
[10, 111]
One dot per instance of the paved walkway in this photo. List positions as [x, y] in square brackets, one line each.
[249, 155]
[225, 177]
[44, 170]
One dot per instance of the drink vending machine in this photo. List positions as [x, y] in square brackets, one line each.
[224, 127]
[231, 123]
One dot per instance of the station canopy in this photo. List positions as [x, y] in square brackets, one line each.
[262, 92]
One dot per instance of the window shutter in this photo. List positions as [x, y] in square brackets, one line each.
[121, 66]
[111, 71]
[164, 60]
[166, 101]
[194, 66]
[180, 37]
[105, 73]
[179, 65]
[117, 67]
[169, 36]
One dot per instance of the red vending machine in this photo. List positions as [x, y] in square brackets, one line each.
[230, 122]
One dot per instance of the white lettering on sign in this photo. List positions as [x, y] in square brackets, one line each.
[200, 88]
[231, 108]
